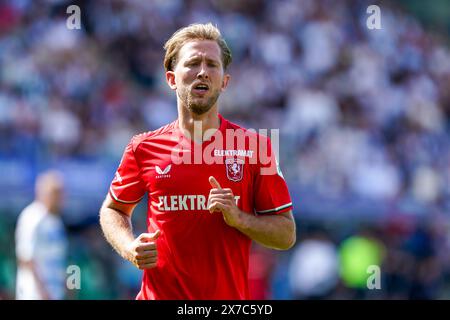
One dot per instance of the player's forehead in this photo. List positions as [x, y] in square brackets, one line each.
[199, 49]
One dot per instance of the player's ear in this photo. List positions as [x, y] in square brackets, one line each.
[170, 78]
[225, 80]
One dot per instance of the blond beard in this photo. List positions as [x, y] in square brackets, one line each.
[197, 108]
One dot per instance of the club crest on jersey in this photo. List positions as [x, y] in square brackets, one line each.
[235, 169]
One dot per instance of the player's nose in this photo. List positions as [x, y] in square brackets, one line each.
[203, 72]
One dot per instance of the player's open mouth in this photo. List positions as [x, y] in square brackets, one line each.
[200, 88]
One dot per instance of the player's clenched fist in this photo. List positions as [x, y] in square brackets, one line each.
[142, 252]
[222, 200]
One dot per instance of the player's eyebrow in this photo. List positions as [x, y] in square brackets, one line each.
[212, 60]
[198, 58]
[193, 58]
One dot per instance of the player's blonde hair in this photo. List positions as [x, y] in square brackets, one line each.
[194, 32]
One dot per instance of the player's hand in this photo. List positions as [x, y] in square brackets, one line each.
[142, 251]
[222, 200]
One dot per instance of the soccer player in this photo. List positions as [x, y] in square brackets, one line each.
[41, 243]
[203, 212]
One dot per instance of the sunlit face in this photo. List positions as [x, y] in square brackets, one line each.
[198, 77]
[50, 192]
[55, 198]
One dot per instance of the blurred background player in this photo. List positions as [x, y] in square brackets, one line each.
[41, 243]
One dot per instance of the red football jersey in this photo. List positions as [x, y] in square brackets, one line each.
[199, 255]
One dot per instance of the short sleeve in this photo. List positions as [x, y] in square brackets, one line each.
[271, 194]
[127, 185]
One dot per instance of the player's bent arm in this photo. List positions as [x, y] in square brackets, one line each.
[272, 231]
[115, 221]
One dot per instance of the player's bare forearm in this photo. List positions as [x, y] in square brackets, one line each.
[272, 231]
[116, 225]
[117, 228]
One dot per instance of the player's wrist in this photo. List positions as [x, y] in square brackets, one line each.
[238, 220]
[127, 252]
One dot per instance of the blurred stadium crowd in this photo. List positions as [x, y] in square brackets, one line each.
[363, 116]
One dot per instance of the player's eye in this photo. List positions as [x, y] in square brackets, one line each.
[192, 63]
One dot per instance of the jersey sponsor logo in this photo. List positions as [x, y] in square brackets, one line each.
[185, 202]
[235, 169]
[163, 173]
[233, 153]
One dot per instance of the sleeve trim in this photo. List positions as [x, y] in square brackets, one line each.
[123, 201]
[287, 205]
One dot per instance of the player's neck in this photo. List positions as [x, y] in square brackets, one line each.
[189, 123]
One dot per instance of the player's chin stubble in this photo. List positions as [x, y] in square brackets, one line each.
[198, 107]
